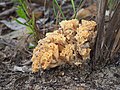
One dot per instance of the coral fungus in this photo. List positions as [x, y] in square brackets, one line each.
[60, 47]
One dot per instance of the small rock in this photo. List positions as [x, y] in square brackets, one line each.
[82, 84]
[21, 69]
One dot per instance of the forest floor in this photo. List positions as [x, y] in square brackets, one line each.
[15, 58]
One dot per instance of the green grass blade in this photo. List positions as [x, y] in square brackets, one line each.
[59, 8]
[20, 12]
[73, 5]
[54, 10]
[24, 7]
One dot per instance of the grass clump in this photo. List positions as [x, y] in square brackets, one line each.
[24, 11]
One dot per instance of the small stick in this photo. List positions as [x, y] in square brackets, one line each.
[7, 12]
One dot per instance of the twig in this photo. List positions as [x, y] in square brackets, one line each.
[7, 12]
[4, 4]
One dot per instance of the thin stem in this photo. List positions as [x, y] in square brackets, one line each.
[55, 13]
[73, 5]
[59, 8]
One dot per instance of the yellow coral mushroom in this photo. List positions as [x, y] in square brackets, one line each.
[56, 38]
[61, 46]
[70, 24]
[44, 55]
[82, 36]
[67, 52]
[85, 53]
[88, 25]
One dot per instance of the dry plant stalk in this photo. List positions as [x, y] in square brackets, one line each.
[64, 45]
[108, 35]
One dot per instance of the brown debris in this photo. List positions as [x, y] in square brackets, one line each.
[86, 12]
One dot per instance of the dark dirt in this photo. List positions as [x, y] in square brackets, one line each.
[61, 78]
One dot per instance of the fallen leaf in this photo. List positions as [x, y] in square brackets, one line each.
[14, 25]
[85, 12]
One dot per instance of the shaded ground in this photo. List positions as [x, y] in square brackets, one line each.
[61, 78]
[15, 65]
